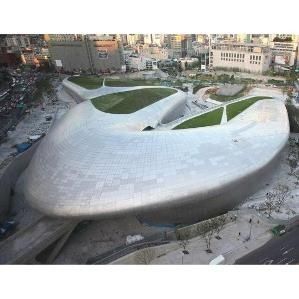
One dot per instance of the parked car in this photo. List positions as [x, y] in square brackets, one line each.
[7, 228]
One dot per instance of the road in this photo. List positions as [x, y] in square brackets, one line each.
[283, 250]
[26, 244]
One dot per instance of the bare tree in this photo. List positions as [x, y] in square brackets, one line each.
[207, 229]
[184, 244]
[270, 203]
[145, 256]
[281, 194]
[183, 235]
[292, 163]
[221, 220]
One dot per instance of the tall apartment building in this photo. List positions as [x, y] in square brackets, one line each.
[187, 49]
[202, 38]
[133, 39]
[18, 41]
[175, 41]
[12, 47]
[155, 39]
[153, 51]
[242, 57]
[88, 53]
[123, 39]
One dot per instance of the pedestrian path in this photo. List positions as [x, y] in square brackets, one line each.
[224, 116]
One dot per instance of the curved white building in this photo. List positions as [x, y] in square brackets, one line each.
[95, 164]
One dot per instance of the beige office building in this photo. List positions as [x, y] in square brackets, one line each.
[88, 54]
[240, 57]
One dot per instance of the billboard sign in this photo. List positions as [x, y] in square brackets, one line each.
[282, 59]
[58, 63]
[102, 54]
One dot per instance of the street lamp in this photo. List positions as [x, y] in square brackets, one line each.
[182, 253]
[250, 230]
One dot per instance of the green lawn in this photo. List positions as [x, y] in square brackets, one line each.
[131, 82]
[208, 119]
[89, 82]
[234, 109]
[130, 101]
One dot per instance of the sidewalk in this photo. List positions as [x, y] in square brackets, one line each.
[231, 246]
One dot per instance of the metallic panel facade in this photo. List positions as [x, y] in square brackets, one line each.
[95, 165]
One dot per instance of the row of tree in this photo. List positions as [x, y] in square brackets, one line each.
[206, 229]
[276, 199]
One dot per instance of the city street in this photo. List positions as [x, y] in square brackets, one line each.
[283, 250]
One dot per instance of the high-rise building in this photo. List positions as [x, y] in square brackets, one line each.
[155, 39]
[92, 53]
[154, 51]
[134, 39]
[13, 47]
[123, 39]
[175, 41]
[187, 49]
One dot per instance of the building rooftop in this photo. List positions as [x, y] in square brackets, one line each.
[96, 164]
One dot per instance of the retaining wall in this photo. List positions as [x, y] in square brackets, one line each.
[10, 175]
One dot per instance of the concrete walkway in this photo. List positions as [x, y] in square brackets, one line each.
[23, 246]
[231, 245]
[224, 116]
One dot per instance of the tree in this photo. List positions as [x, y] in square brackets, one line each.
[221, 220]
[276, 199]
[281, 193]
[145, 256]
[292, 162]
[183, 235]
[184, 244]
[270, 203]
[207, 229]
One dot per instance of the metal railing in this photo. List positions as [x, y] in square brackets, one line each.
[110, 256]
